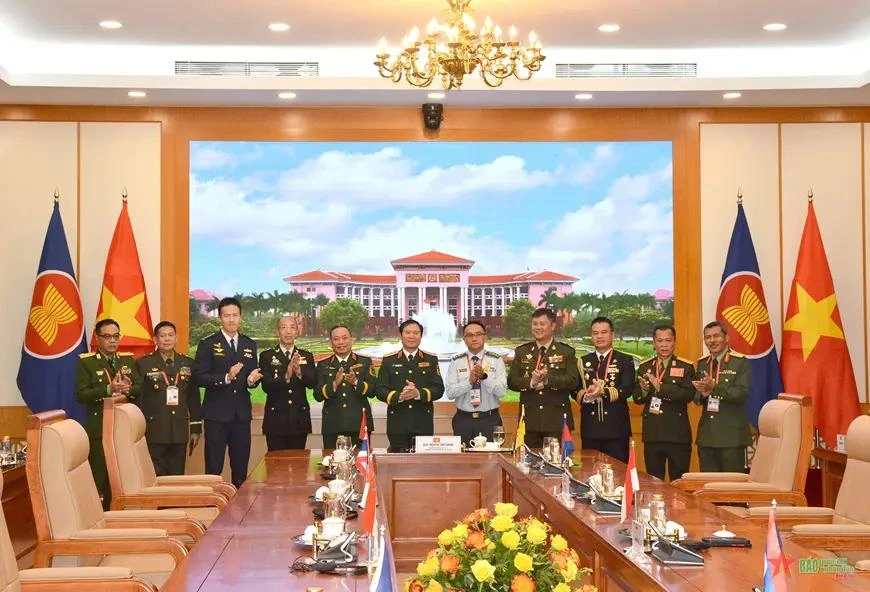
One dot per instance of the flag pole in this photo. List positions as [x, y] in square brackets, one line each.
[739, 195]
[56, 195]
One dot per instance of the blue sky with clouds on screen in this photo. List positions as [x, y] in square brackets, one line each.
[260, 211]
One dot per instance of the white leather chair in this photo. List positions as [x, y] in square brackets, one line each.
[71, 527]
[133, 480]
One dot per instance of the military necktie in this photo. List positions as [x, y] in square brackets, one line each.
[411, 358]
[600, 358]
[233, 344]
[474, 360]
[111, 362]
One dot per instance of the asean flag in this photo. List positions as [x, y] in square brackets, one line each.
[815, 356]
[55, 332]
[123, 297]
[742, 308]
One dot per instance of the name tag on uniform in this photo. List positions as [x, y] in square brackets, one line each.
[655, 405]
[713, 404]
[172, 395]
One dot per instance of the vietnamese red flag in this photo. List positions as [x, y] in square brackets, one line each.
[815, 356]
[123, 297]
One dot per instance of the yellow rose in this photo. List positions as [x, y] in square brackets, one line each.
[536, 533]
[557, 541]
[509, 510]
[489, 545]
[523, 562]
[510, 539]
[562, 587]
[482, 570]
[502, 523]
[460, 531]
[434, 586]
[428, 568]
[445, 539]
[570, 572]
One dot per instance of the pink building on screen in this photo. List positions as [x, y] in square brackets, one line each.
[436, 279]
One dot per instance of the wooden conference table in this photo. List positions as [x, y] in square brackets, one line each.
[249, 546]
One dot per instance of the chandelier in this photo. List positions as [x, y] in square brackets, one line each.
[455, 49]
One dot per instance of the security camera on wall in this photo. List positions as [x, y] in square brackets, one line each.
[433, 115]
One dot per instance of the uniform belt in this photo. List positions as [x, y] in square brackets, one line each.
[477, 414]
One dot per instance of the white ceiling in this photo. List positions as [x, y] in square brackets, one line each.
[52, 53]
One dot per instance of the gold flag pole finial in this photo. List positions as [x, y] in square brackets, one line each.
[56, 195]
[739, 195]
[124, 194]
[810, 195]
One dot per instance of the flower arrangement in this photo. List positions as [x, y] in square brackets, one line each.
[496, 553]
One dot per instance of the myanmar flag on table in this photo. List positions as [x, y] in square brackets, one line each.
[815, 356]
[123, 297]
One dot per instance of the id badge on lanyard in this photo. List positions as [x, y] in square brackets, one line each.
[172, 395]
[713, 404]
[655, 405]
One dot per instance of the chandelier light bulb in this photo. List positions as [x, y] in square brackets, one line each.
[487, 24]
[432, 27]
[468, 21]
[415, 33]
[497, 32]
[512, 32]
[533, 38]
[382, 45]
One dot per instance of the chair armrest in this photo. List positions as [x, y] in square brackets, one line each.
[128, 515]
[174, 522]
[75, 573]
[118, 533]
[176, 490]
[695, 481]
[46, 550]
[787, 517]
[82, 579]
[748, 493]
[832, 537]
[216, 482]
[167, 500]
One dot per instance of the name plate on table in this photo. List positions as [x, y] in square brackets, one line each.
[442, 444]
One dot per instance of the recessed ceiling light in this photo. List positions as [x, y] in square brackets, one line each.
[609, 28]
[279, 27]
[583, 96]
[136, 94]
[436, 95]
[775, 27]
[732, 95]
[286, 95]
[111, 24]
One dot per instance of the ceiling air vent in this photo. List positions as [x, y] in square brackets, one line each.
[283, 69]
[626, 70]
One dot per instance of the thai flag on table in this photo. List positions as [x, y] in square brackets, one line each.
[55, 332]
[631, 486]
[369, 501]
[743, 309]
[382, 581]
[776, 563]
[567, 440]
[362, 457]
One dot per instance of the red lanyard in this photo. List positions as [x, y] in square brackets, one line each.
[538, 362]
[174, 382]
[606, 366]
[718, 367]
[108, 374]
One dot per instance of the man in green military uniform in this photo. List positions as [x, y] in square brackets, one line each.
[722, 388]
[664, 388]
[169, 401]
[345, 381]
[545, 373]
[101, 374]
[408, 381]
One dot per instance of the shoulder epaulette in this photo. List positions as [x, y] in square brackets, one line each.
[562, 343]
[362, 357]
[702, 359]
[735, 354]
[685, 360]
[428, 353]
[87, 355]
[459, 356]
[491, 354]
[303, 351]
[126, 354]
[647, 360]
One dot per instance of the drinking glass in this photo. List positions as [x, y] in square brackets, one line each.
[498, 435]
[551, 450]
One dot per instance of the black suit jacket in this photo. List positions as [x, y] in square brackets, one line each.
[225, 402]
[287, 411]
[607, 419]
[168, 424]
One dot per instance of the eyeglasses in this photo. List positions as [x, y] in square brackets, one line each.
[475, 335]
[109, 336]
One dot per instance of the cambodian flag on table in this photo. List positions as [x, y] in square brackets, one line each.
[567, 440]
[776, 563]
[55, 332]
[362, 457]
[743, 309]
